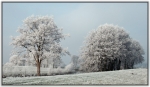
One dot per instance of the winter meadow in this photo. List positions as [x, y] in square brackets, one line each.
[109, 54]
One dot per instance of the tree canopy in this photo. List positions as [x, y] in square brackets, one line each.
[39, 39]
[109, 47]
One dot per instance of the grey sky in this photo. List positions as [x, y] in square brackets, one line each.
[77, 19]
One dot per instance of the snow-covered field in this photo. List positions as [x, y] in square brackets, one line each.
[130, 76]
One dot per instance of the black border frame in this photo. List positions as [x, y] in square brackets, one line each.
[78, 2]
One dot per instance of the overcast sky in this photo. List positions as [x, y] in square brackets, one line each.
[77, 19]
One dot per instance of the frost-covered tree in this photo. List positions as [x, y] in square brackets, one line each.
[72, 66]
[109, 47]
[135, 52]
[8, 64]
[56, 59]
[39, 39]
[7, 69]
[14, 59]
[74, 60]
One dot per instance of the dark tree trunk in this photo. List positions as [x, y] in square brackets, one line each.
[38, 68]
[112, 65]
[119, 65]
[115, 64]
[125, 64]
[132, 64]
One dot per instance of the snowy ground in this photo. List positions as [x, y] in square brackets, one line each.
[121, 77]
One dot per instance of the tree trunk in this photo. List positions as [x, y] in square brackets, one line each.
[38, 68]
[119, 65]
[125, 64]
[132, 64]
[115, 64]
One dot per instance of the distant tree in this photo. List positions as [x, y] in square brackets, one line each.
[109, 48]
[9, 64]
[38, 36]
[44, 63]
[55, 60]
[7, 68]
[135, 52]
[14, 59]
[74, 60]
[72, 66]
